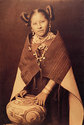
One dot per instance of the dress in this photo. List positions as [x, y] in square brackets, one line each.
[55, 69]
[64, 106]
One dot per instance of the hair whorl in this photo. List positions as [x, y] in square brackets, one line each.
[25, 17]
[48, 14]
[49, 11]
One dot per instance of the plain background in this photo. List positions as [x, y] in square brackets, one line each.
[69, 20]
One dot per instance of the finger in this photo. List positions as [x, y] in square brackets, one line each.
[35, 97]
[22, 93]
[37, 102]
[43, 103]
[16, 95]
[40, 102]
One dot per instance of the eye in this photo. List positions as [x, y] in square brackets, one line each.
[42, 21]
[35, 23]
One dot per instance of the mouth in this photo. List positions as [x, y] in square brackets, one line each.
[40, 30]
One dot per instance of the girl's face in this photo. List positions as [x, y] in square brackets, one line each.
[39, 24]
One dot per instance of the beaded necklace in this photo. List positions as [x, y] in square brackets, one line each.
[40, 40]
[42, 47]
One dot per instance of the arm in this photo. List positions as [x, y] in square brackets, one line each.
[42, 96]
[48, 88]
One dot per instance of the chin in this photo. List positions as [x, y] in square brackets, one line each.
[42, 34]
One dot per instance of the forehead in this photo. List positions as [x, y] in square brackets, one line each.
[38, 16]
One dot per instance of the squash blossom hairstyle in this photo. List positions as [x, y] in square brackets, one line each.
[48, 13]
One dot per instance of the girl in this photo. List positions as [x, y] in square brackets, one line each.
[45, 71]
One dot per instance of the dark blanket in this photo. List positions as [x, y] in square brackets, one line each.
[55, 65]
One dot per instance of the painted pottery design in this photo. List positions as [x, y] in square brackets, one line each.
[25, 111]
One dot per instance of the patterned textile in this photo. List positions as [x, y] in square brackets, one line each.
[55, 65]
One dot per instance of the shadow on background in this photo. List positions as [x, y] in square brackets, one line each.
[68, 20]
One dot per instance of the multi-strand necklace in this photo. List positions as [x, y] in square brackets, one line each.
[37, 39]
[42, 48]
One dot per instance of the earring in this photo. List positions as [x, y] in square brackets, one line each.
[49, 27]
[33, 33]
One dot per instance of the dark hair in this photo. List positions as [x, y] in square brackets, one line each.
[39, 11]
[48, 13]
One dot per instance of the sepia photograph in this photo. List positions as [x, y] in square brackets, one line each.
[41, 62]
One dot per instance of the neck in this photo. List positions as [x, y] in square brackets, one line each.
[37, 39]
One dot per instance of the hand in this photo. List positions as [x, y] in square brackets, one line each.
[41, 98]
[21, 93]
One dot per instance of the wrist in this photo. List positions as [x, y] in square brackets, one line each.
[46, 90]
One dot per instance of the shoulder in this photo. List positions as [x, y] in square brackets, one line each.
[58, 38]
[58, 34]
[27, 43]
[57, 41]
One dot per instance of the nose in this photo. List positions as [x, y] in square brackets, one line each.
[39, 26]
